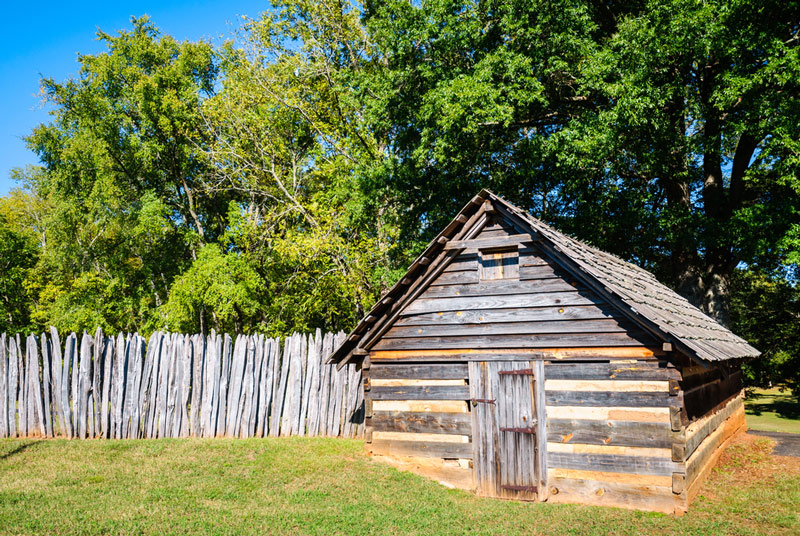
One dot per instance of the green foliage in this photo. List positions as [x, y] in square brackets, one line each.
[283, 181]
[220, 285]
[765, 310]
[18, 256]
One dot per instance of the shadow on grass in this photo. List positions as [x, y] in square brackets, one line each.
[784, 404]
[18, 450]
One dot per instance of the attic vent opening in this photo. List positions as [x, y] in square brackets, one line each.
[499, 263]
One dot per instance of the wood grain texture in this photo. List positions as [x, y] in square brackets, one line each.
[420, 372]
[608, 432]
[421, 449]
[422, 422]
[603, 493]
[603, 399]
[446, 392]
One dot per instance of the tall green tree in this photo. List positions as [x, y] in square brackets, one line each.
[664, 130]
[120, 170]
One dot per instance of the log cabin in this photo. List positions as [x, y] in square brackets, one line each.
[521, 363]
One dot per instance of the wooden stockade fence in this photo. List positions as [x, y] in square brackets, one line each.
[176, 385]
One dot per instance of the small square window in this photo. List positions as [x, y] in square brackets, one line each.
[499, 264]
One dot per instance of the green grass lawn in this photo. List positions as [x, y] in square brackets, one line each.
[329, 486]
[772, 410]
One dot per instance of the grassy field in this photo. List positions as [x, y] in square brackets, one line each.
[328, 486]
[772, 410]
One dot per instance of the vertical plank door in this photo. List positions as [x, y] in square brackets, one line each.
[506, 429]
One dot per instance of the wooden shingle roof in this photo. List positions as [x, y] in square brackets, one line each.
[635, 292]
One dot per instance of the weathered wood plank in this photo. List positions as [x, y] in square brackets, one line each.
[197, 383]
[436, 305]
[632, 338]
[421, 449]
[422, 422]
[47, 387]
[536, 271]
[325, 387]
[186, 378]
[620, 386]
[85, 384]
[4, 387]
[544, 313]
[500, 287]
[597, 432]
[67, 385]
[647, 370]
[13, 387]
[436, 392]
[463, 263]
[314, 387]
[542, 431]
[58, 371]
[613, 463]
[601, 398]
[264, 384]
[699, 430]
[508, 328]
[97, 377]
[512, 354]
[453, 371]
[463, 277]
[490, 242]
[621, 495]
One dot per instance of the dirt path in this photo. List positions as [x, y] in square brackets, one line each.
[786, 444]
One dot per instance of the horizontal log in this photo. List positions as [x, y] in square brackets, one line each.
[611, 371]
[511, 354]
[491, 242]
[605, 476]
[553, 340]
[522, 314]
[653, 498]
[462, 263]
[450, 371]
[614, 463]
[699, 430]
[601, 398]
[597, 432]
[426, 449]
[456, 278]
[697, 469]
[527, 273]
[422, 422]
[500, 287]
[703, 454]
[607, 325]
[436, 392]
[436, 305]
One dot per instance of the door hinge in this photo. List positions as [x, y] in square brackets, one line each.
[482, 400]
[521, 372]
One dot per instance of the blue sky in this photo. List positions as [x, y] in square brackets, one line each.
[44, 38]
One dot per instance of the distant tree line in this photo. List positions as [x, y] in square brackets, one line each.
[280, 182]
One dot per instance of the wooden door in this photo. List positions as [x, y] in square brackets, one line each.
[508, 429]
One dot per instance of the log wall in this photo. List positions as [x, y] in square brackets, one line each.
[417, 415]
[611, 427]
